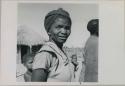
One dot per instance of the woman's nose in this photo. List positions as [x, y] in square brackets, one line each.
[63, 30]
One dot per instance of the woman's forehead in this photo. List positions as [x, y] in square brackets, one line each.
[74, 57]
[61, 20]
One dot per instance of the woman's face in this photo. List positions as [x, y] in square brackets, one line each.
[60, 30]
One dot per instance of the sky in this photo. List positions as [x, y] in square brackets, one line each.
[32, 16]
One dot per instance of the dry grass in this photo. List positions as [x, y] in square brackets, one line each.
[74, 51]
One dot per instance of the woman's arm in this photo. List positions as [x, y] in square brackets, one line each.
[41, 64]
[39, 75]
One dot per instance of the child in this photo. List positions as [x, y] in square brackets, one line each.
[77, 67]
[27, 62]
[74, 62]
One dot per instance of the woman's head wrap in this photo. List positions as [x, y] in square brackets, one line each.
[53, 15]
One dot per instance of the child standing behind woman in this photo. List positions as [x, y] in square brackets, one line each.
[27, 62]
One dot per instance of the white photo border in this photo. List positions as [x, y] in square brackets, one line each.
[111, 61]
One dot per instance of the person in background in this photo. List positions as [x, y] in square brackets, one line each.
[74, 62]
[78, 65]
[27, 62]
[91, 52]
[51, 64]
[75, 67]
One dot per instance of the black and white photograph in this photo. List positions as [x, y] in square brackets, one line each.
[62, 42]
[57, 42]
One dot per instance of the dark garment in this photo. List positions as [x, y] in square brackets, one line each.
[91, 59]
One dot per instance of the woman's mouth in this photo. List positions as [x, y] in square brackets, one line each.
[63, 37]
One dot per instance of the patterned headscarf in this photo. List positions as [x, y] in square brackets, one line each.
[53, 15]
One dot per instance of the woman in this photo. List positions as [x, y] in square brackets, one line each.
[51, 63]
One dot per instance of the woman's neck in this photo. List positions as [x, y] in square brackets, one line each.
[58, 44]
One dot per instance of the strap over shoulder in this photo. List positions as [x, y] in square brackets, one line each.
[52, 48]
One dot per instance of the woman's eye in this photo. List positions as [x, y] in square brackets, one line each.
[67, 27]
[59, 26]
[31, 62]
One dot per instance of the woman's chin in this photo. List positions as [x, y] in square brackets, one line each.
[62, 41]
